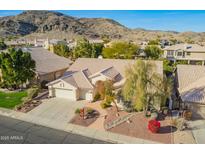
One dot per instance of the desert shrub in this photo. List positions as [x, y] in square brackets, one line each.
[33, 92]
[77, 111]
[105, 104]
[154, 126]
[90, 111]
[97, 97]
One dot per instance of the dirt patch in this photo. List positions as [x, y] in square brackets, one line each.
[88, 119]
[137, 127]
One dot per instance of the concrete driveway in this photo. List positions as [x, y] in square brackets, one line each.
[57, 109]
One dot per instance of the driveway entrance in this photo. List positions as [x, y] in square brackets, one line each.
[57, 109]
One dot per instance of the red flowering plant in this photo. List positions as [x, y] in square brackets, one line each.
[154, 126]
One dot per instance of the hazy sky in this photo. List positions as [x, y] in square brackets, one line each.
[154, 20]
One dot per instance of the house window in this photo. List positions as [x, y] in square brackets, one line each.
[179, 53]
[170, 53]
[188, 53]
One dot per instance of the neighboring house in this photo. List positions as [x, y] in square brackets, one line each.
[49, 66]
[39, 42]
[96, 41]
[79, 80]
[190, 81]
[49, 44]
[191, 53]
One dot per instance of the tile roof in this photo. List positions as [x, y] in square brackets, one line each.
[95, 65]
[186, 47]
[80, 72]
[78, 80]
[46, 61]
[191, 82]
[110, 72]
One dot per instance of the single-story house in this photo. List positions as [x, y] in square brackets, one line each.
[191, 86]
[49, 66]
[79, 80]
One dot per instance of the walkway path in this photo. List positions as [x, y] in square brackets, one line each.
[99, 123]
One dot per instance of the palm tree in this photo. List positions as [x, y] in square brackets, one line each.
[110, 94]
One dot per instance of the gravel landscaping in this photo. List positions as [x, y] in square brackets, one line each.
[136, 126]
[88, 119]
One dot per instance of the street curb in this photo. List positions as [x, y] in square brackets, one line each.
[76, 129]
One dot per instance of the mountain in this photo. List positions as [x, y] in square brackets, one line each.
[57, 25]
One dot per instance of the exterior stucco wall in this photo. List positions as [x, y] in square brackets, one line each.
[86, 94]
[198, 55]
[52, 76]
[64, 85]
[196, 108]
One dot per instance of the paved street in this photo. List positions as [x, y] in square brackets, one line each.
[16, 131]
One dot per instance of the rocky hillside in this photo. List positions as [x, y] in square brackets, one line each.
[57, 25]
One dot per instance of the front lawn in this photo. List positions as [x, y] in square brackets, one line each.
[10, 100]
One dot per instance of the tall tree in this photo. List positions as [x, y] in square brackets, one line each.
[62, 50]
[110, 94]
[153, 52]
[144, 87]
[153, 42]
[121, 50]
[17, 67]
[86, 49]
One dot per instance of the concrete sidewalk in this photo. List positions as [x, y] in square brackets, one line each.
[198, 130]
[76, 129]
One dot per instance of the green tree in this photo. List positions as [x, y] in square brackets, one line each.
[144, 87]
[86, 49]
[62, 50]
[168, 66]
[153, 52]
[121, 50]
[105, 39]
[17, 68]
[153, 42]
[110, 94]
[97, 49]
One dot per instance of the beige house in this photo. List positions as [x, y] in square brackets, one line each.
[191, 86]
[79, 80]
[49, 66]
[191, 53]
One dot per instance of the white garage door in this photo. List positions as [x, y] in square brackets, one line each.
[65, 93]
